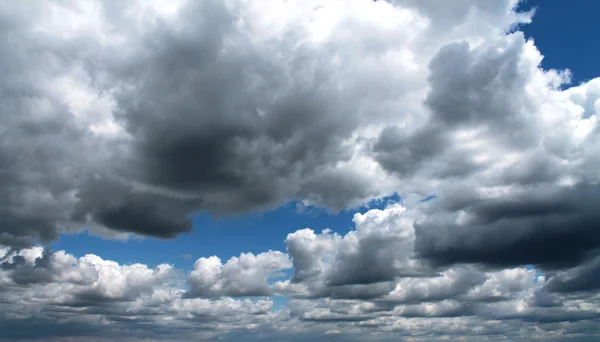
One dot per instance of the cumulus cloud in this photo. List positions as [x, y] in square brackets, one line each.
[235, 298]
[363, 263]
[127, 118]
[246, 275]
[237, 110]
[231, 111]
[512, 201]
[87, 280]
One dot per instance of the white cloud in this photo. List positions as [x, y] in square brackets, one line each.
[246, 275]
[128, 117]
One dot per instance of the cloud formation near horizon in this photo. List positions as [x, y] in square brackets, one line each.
[125, 118]
[349, 286]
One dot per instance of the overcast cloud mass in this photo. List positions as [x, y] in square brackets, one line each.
[123, 118]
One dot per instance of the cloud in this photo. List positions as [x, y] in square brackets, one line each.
[225, 113]
[88, 280]
[223, 300]
[228, 112]
[134, 116]
[513, 204]
[376, 262]
[246, 275]
[364, 263]
[103, 297]
[578, 279]
[228, 116]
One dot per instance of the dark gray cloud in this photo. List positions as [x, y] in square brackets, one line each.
[368, 291]
[220, 132]
[547, 228]
[584, 278]
[111, 203]
[471, 88]
[39, 136]
[206, 118]
[39, 272]
[233, 125]
[406, 153]
[512, 200]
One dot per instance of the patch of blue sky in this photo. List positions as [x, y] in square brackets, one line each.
[279, 303]
[538, 273]
[255, 233]
[563, 32]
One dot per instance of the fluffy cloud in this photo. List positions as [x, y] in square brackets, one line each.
[107, 299]
[231, 111]
[378, 251]
[88, 280]
[126, 118]
[248, 275]
[104, 297]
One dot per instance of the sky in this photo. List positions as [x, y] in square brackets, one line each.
[299, 171]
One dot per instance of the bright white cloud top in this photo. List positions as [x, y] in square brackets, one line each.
[125, 118]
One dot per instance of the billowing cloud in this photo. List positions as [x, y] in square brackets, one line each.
[124, 119]
[232, 111]
[246, 275]
[237, 298]
[363, 263]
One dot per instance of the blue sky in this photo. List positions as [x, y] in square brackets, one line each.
[224, 237]
[562, 32]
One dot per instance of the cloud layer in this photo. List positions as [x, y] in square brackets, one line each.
[124, 119]
[328, 294]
